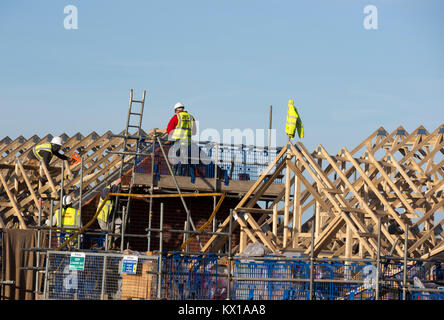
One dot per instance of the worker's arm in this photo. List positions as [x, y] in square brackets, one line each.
[60, 156]
[104, 192]
[113, 189]
[172, 124]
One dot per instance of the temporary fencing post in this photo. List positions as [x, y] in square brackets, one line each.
[404, 289]
[159, 275]
[378, 259]
[312, 257]
[229, 257]
[45, 284]
[102, 292]
[38, 246]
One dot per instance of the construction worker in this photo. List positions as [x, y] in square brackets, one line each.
[293, 122]
[181, 126]
[70, 218]
[45, 152]
[180, 129]
[107, 208]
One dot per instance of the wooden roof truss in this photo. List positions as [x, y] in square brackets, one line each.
[395, 177]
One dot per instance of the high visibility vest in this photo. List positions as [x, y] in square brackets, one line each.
[70, 218]
[293, 121]
[106, 209]
[182, 132]
[42, 147]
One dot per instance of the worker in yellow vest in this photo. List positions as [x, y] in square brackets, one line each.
[70, 218]
[105, 212]
[180, 129]
[46, 151]
[294, 122]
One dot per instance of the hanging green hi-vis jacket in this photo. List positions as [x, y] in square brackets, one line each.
[293, 121]
[182, 132]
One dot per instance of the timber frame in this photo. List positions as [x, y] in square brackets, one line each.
[25, 189]
[390, 181]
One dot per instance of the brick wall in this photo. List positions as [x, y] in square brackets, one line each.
[174, 218]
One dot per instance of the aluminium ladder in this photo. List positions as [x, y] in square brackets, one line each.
[134, 125]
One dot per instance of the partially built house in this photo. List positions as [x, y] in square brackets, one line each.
[245, 222]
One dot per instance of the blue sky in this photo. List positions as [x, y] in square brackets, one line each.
[228, 61]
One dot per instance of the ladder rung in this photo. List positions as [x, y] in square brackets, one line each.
[130, 125]
[139, 114]
[137, 101]
[128, 137]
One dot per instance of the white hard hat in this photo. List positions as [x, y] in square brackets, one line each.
[178, 105]
[57, 141]
[67, 200]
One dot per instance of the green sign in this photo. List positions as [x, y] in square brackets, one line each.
[77, 261]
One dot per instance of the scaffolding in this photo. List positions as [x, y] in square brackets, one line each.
[373, 206]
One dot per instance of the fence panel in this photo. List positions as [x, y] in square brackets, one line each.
[271, 280]
[98, 276]
[427, 296]
[189, 277]
[347, 281]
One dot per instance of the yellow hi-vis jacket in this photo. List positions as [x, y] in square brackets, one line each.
[106, 209]
[70, 218]
[293, 121]
[183, 128]
[41, 147]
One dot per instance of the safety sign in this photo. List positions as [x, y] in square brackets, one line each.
[129, 265]
[77, 261]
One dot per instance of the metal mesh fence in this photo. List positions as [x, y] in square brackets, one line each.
[267, 280]
[290, 280]
[356, 281]
[189, 277]
[98, 276]
[427, 296]
[231, 162]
